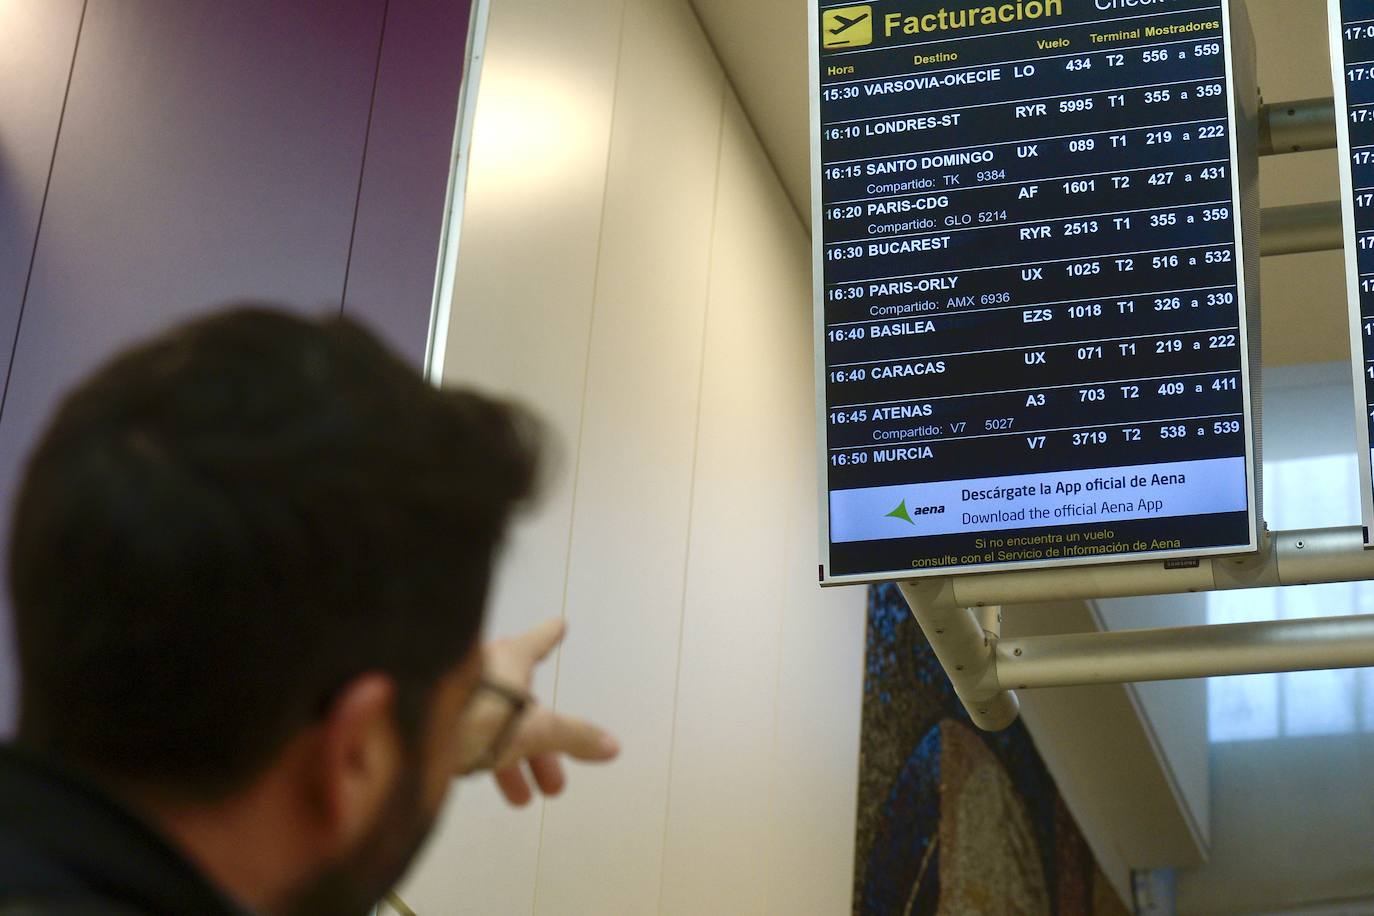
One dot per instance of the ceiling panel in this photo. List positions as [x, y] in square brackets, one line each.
[762, 45]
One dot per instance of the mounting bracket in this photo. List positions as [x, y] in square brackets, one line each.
[961, 616]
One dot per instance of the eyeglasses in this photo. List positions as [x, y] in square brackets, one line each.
[488, 724]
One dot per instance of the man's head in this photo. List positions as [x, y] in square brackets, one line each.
[260, 544]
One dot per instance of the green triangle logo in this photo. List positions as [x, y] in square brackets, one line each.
[901, 513]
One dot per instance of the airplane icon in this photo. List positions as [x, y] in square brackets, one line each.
[847, 24]
[847, 27]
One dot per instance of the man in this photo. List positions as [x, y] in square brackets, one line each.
[249, 562]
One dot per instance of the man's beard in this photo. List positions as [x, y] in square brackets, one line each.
[351, 886]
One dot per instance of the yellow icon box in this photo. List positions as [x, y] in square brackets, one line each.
[847, 27]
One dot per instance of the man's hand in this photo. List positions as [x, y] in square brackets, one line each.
[541, 736]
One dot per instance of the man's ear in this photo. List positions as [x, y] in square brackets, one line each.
[358, 758]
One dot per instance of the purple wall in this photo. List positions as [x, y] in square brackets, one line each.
[391, 273]
[295, 150]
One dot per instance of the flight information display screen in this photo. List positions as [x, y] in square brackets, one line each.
[1031, 308]
[1352, 58]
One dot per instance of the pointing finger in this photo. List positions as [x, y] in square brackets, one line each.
[546, 732]
[540, 641]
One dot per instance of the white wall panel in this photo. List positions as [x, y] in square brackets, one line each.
[810, 859]
[632, 267]
[722, 765]
[602, 845]
[521, 321]
[810, 864]
[737, 837]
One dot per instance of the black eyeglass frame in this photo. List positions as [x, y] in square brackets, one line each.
[517, 702]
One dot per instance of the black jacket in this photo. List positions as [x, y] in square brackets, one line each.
[67, 849]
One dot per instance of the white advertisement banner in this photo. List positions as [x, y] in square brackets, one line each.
[1039, 500]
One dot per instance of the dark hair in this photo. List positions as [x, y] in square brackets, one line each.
[226, 524]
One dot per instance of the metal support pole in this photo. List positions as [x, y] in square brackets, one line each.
[967, 655]
[1301, 557]
[1186, 652]
[1297, 127]
[990, 619]
[1299, 228]
[961, 616]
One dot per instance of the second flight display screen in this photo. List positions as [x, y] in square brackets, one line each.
[1030, 279]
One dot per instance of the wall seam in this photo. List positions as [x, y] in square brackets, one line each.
[770, 857]
[582, 418]
[42, 210]
[362, 166]
[691, 491]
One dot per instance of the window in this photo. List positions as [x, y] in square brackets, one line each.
[1314, 492]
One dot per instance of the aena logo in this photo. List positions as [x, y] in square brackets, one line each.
[901, 513]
